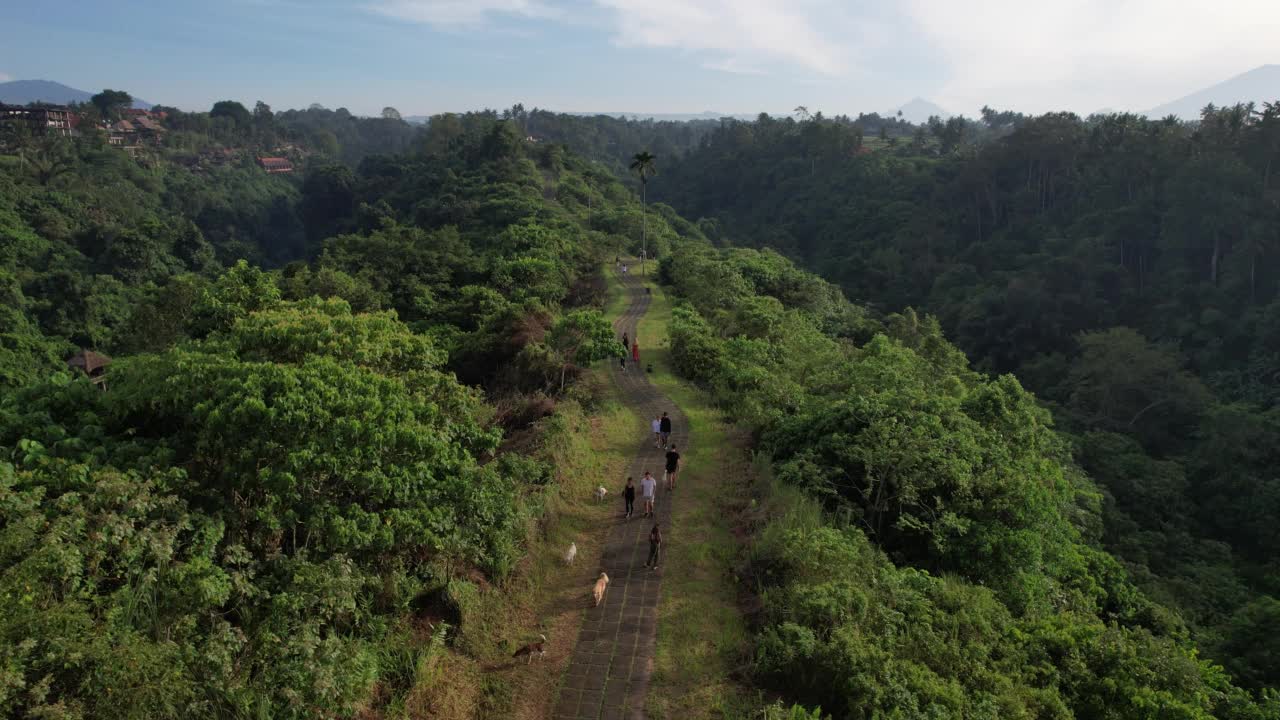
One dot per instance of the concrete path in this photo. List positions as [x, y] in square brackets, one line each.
[608, 674]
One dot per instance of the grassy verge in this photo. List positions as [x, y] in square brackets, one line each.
[477, 676]
[547, 597]
[615, 301]
[702, 636]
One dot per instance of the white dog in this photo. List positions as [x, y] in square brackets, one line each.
[601, 585]
[571, 553]
[600, 493]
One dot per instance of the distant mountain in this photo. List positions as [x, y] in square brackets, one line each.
[674, 117]
[21, 92]
[920, 110]
[1261, 84]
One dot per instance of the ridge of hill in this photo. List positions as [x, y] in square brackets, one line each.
[21, 92]
[1259, 85]
[918, 110]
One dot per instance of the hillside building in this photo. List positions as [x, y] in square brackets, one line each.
[48, 119]
[275, 165]
[92, 364]
[139, 130]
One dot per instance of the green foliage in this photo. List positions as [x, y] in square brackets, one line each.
[955, 571]
[241, 290]
[695, 349]
[845, 629]
[1122, 267]
[778, 711]
[319, 451]
[283, 475]
[1122, 383]
[232, 110]
[110, 102]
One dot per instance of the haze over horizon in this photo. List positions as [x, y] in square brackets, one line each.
[659, 56]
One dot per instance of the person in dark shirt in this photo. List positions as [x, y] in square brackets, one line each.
[655, 544]
[665, 429]
[629, 495]
[673, 466]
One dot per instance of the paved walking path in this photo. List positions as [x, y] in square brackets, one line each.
[608, 674]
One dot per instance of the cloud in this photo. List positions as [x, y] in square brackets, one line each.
[1084, 54]
[460, 13]
[737, 36]
[740, 35]
[5, 77]
[1079, 55]
[733, 66]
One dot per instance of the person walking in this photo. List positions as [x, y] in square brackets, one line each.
[625, 340]
[622, 361]
[648, 489]
[657, 431]
[655, 545]
[629, 495]
[673, 466]
[635, 352]
[664, 427]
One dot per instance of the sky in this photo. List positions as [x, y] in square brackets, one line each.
[653, 56]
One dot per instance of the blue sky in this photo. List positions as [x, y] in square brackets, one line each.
[838, 56]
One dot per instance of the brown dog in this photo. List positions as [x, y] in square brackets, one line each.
[532, 650]
[601, 585]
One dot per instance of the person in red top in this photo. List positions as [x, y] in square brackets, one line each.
[635, 353]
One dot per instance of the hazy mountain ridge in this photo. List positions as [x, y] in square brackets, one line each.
[1259, 85]
[918, 110]
[21, 92]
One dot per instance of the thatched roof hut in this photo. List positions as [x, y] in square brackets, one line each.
[90, 363]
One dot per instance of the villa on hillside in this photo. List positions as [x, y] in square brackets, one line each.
[131, 133]
[54, 119]
[275, 165]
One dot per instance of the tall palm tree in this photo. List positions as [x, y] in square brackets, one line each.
[643, 164]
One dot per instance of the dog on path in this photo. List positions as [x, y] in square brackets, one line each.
[571, 553]
[600, 493]
[602, 584]
[532, 650]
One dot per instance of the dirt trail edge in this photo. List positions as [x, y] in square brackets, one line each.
[608, 673]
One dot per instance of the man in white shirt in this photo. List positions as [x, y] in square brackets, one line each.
[648, 488]
[657, 431]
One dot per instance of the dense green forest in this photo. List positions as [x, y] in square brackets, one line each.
[1124, 268]
[945, 556]
[613, 141]
[335, 397]
[288, 466]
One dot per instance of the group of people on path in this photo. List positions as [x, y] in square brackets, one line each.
[635, 352]
[649, 485]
